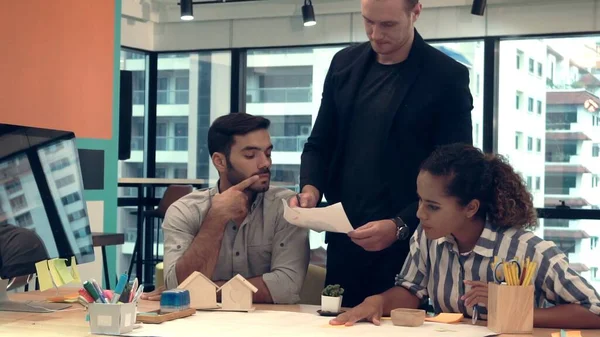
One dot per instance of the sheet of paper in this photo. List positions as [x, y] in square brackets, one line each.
[43, 275]
[331, 218]
[74, 270]
[445, 318]
[289, 324]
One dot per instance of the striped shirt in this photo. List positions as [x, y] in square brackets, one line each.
[436, 270]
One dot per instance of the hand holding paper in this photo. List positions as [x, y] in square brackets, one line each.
[331, 218]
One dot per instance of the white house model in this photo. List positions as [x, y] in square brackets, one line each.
[236, 294]
[203, 291]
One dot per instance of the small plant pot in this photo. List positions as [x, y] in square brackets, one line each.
[331, 304]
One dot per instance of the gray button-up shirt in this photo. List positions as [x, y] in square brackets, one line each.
[264, 244]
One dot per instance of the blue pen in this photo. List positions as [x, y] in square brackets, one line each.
[120, 287]
[99, 290]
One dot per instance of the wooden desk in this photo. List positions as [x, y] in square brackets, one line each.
[107, 239]
[72, 323]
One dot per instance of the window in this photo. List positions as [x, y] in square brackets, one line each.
[135, 62]
[596, 150]
[24, 220]
[71, 198]
[595, 276]
[13, 186]
[518, 99]
[531, 65]
[566, 245]
[595, 180]
[280, 84]
[59, 164]
[561, 129]
[518, 140]
[529, 183]
[593, 242]
[53, 148]
[520, 58]
[80, 214]
[194, 89]
[81, 233]
[18, 203]
[65, 181]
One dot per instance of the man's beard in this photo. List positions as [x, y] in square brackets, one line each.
[235, 177]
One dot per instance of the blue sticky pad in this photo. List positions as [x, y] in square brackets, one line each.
[174, 300]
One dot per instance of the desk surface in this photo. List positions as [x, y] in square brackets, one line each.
[72, 322]
[123, 182]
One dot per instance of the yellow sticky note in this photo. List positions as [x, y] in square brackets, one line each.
[43, 275]
[569, 334]
[445, 318]
[74, 271]
[63, 270]
[54, 268]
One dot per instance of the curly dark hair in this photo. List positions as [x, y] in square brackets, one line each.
[502, 194]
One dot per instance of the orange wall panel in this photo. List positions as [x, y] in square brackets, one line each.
[56, 64]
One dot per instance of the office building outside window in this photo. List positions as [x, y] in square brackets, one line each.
[563, 78]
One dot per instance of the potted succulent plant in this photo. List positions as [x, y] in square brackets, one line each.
[331, 298]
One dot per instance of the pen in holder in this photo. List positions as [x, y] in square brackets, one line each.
[511, 298]
[112, 319]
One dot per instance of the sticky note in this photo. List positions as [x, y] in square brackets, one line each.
[74, 270]
[569, 334]
[58, 267]
[43, 275]
[445, 318]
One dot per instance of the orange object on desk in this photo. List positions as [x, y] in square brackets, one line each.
[445, 318]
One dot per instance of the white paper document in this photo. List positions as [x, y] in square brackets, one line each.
[331, 218]
[291, 324]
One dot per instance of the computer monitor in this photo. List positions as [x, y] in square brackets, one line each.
[41, 191]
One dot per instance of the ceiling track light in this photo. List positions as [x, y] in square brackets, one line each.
[187, 10]
[478, 7]
[308, 14]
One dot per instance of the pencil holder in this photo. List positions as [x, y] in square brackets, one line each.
[510, 309]
[112, 319]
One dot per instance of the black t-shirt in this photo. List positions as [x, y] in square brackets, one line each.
[20, 249]
[365, 189]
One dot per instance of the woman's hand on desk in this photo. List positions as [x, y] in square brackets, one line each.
[370, 309]
[153, 295]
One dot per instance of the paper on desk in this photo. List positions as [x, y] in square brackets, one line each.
[447, 318]
[569, 334]
[331, 218]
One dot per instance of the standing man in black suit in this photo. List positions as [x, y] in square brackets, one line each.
[386, 105]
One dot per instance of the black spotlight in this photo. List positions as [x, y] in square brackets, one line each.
[308, 14]
[187, 10]
[478, 7]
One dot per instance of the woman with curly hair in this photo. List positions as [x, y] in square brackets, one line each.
[474, 207]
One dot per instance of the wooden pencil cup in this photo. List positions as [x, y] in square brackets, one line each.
[510, 309]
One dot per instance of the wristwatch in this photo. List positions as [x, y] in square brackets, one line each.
[402, 230]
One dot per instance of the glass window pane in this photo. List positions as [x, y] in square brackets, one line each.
[563, 80]
[578, 239]
[194, 89]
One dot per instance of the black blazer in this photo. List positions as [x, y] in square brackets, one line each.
[432, 108]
